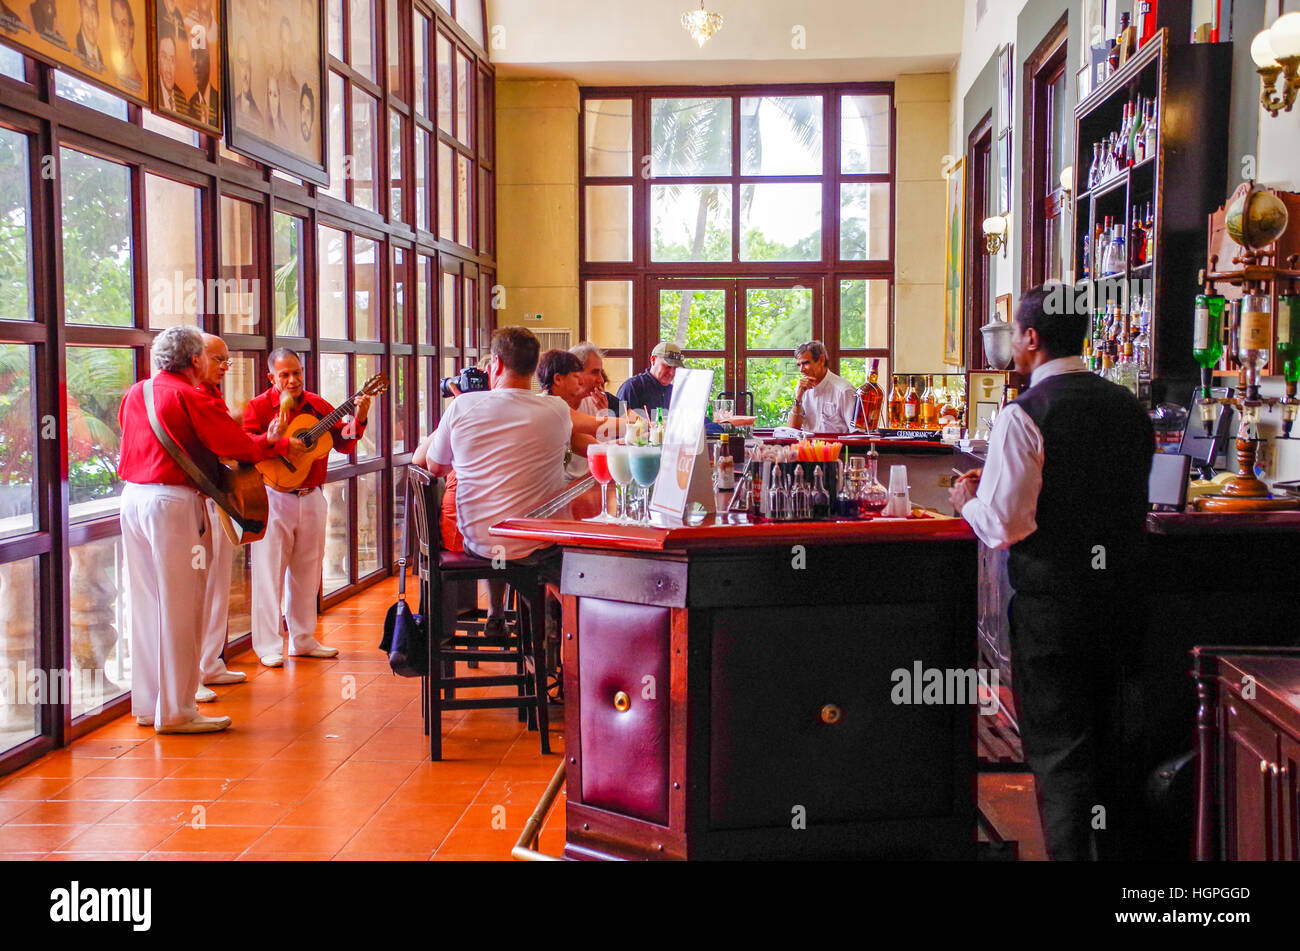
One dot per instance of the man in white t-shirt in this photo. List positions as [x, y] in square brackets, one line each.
[507, 445]
[823, 402]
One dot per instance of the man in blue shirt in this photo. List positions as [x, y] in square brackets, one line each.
[653, 388]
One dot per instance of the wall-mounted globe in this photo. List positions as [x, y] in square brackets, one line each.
[1255, 217]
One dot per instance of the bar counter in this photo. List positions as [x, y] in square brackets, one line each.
[730, 687]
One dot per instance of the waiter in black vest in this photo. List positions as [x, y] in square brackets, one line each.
[1065, 489]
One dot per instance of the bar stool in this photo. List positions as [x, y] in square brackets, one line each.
[522, 644]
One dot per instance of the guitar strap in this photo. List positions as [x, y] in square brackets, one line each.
[182, 458]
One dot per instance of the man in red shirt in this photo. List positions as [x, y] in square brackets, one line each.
[293, 549]
[164, 528]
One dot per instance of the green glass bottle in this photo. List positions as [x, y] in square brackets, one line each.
[1288, 337]
[1207, 337]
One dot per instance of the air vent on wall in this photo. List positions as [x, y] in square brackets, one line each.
[551, 340]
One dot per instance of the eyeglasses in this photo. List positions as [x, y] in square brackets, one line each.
[226, 363]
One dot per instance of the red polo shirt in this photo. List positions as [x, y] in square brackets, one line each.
[198, 422]
[265, 407]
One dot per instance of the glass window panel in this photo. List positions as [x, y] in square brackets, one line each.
[444, 81]
[865, 147]
[334, 388]
[361, 37]
[424, 317]
[617, 369]
[609, 222]
[368, 506]
[609, 314]
[397, 311]
[20, 619]
[396, 144]
[237, 283]
[424, 381]
[781, 222]
[463, 219]
[244, 379]
[332, 265]
[173, 130]
[864, 315]
[287, 262]
[446, 193]
[368, 445]
[772, 381]
[447, 317]
[365, 147]
[695, 318]
[864, 221]
[690, 223]
[92, 97]
[778, 318]
[464, 82]
[470, 15]
[398, 398]
[97, 251]
[781, 135]
[469, 312]
[239, 619]
[365, 289]
[11, 64]
[690, 137]
[338, 144]
[15, 231]
[393, 52]
[97, 379]
[18, 446]
[335, 571]
[101, 638]
[1057, 131]
[420, 26]
[334, 28]
[485, 213]
[172, 220]
[398, 476]
[607, 137]
[422, 147]
[445, 4]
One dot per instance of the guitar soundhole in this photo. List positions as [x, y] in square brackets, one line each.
[308, 440]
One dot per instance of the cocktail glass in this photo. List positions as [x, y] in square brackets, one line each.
[599, 466]
[644, 461]
[618, 458]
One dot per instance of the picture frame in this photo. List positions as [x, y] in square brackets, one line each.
[1093, 26]
[983, 412]
[274, 44]
[105, 42]
[954, 277]
[1082, 84]
[1002, 307]
[1006, 88]
[1004, 173]
[185, 61]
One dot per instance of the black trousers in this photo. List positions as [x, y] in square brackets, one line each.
[1077, 683]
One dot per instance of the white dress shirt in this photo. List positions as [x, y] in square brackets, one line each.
[1003, 510]
[828, 407]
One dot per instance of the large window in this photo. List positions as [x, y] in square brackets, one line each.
[757, 219]
[1048, 246]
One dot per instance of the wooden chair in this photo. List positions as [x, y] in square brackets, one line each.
[453, 639]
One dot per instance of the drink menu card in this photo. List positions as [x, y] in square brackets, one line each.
[683, 472]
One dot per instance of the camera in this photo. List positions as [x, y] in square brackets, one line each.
[468, 380]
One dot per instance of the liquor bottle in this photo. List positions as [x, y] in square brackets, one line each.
[1137, 239]
[1126, 137]
[1126, 371]
[819, 500]
[1087, 256]
[911, 406]
[1255, 338]
[897, 395]
[1094, 170]
[657, 428]
[929, 406]
[870, 398]
[1150, 131]
[1142, 348]
[1149, 229]
[1288, 336]
[1138, 139]
[1207, 337]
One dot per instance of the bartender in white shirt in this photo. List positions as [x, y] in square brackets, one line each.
[824, 402]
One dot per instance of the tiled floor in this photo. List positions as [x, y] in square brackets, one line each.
[327, 759]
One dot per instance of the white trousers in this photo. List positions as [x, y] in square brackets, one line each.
[217, 600]
[287, 572]
[165, 545]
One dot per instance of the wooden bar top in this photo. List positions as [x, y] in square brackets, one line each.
[561, 521]
[1221, 523]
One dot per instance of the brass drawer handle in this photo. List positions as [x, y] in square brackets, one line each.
[831, 714]
[622, 701]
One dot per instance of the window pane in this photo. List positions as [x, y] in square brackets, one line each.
[864, 315]
[462, 201]
[396, 144]
[445, 82]
[772, 381]
[362, 37]
[15, 236]
[399, 511]
[398, 398]
[607, 135]
[334, 28]
[864, 222]
[338, 142]
[332, 265]
[173, 130]
[288, 275]
[695, 319]
[781, 135]
[609, 222]
[368, 445]
[368, 502]
[243, 381]
[447, 317]
[690, 137]
[617, 369]
[469, 312]
[778, 318]
[365, 116]
[864, 134]
[101, 651]
[397, 311]
[11, 64]
[690, 222]
[609, 314]
[422, 147]
[97, 378]
[423, 382]
[334, 388]
[424, 317]
[365, 289]
[470, 15]
[238, 281]
[446, 194]
[74, 90]
[239, 620]
[1056, 131]
[337, 533]
[464, 81]
[97, 285]
[781, 222]
[18, 446]
[20, 619]
[393, 53]
[172, 220]
[420, 25]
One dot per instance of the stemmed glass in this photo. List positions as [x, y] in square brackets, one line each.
[598, 463]
[619, 459]
[645, 469]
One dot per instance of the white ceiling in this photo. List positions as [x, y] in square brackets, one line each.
[642, 41]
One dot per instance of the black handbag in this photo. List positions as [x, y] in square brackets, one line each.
[406, 635]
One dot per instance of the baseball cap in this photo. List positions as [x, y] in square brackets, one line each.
[670, 352]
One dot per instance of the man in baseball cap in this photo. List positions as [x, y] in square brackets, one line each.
[653, 388]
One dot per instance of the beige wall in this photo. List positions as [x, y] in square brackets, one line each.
[922, 106]
[537, 202]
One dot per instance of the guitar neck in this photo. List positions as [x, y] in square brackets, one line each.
[346, 408]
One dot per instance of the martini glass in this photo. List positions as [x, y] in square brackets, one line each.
[599, 466]
[619, 460]
[645, 469]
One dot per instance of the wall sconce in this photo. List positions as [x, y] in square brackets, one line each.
[1067, 187]
[1276, 52]
[995, 235]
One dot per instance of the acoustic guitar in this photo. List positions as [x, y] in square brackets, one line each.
[286, 473]
[242, 506]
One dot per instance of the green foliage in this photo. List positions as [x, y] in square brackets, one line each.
[286, 279]
[96, 240]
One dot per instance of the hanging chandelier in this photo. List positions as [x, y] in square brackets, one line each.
[701, 24]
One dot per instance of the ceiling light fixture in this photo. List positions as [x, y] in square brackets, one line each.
[701, 24]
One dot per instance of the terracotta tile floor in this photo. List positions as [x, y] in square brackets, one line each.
[327, 759]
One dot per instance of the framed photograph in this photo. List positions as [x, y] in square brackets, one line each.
[1093, 24]
[186, 56]
[275, 84]
[103, 41]
[1006, 88]
[1004, 173]
[1083, 84]
[954, 287]
[983, 413]
[1002, 307]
